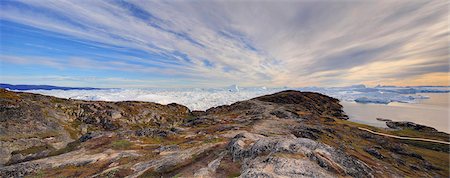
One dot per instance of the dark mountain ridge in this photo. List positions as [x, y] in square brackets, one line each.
[42, 87]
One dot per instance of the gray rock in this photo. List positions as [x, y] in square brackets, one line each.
[274, 167]
[211, 168]
[168, 161]
[311, 132]
[285, 114]
[410, 125]
[374, 152]
[382, 119]
[253, 148]
[150, 132]
[167, 148]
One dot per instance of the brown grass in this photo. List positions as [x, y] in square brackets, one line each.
[121, 144]
[75, 171]
[33, 150]
[14, 137]
[350, 137]
[5, 94]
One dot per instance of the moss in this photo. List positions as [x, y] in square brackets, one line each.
[33, 150]
[7, 138]
[75, 171]
[234, 175]
[127, 160]
[214, 140]
[121, 144]
[73, 133]
[53, 151]
[47, 134]
[152, 140]
[68, 148]
[170, 140]
[57, 100]
[38, 174]
[440, 147]
[76, 124]
[438, 159]
[111, 173]
[41, 135]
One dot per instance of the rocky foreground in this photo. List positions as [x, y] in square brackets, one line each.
[286, 134]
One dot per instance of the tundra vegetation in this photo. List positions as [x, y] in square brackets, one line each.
[289, 133]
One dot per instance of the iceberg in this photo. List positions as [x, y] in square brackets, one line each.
[233, 88]
[204, 98]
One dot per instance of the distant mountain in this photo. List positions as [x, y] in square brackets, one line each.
[42, 87]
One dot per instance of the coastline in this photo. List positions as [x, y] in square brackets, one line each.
[424, 111]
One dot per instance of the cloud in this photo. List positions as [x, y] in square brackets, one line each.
[248, 43]
[86, 81]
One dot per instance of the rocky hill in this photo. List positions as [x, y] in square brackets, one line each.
[286, 134]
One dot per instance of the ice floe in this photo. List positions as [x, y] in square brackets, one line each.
[204, 98]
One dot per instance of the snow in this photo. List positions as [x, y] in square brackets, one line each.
[204, 98]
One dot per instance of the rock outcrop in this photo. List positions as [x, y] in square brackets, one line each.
[410, 125]
[286, 134]
[290, 157]
[42, 123]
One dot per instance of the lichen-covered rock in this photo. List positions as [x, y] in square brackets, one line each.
[409, 125]
[30, 120]
[151, 132]
[211, 168]
[167, 162]
[252, 149]
[374, 152]
[76, 158]
[311, 132]
[274, 167]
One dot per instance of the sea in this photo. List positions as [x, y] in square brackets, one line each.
[433, 112]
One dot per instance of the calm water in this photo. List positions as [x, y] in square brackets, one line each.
[433, 112]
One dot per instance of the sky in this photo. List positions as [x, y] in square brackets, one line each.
[141, 43]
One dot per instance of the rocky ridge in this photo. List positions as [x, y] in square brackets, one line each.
[286, 134]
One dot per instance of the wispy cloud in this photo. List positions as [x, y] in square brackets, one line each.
[295, 43]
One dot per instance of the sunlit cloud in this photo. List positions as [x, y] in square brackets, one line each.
[219, 43]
